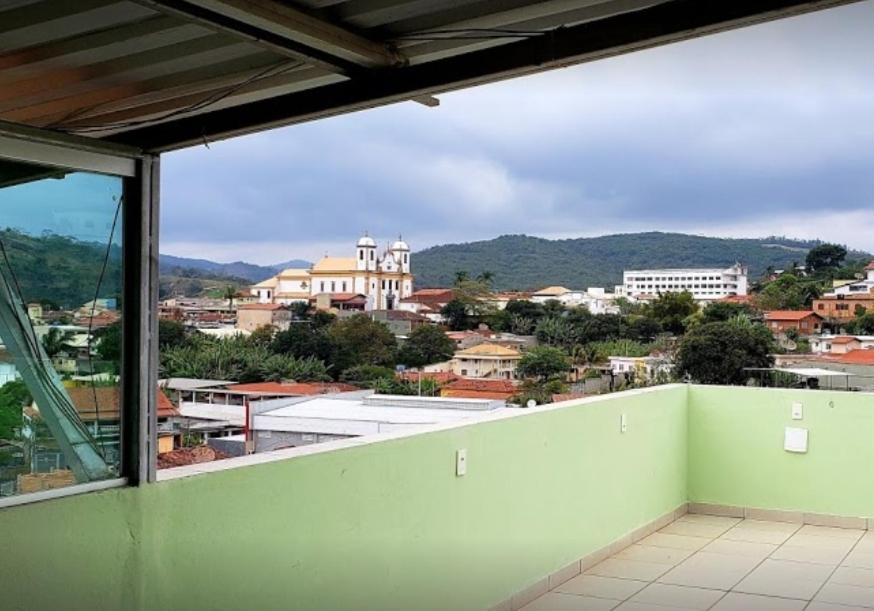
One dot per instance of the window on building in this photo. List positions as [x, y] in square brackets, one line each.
[60, 319]
[361, 255]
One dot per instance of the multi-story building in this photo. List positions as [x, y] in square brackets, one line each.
[254, 315]
[704, 284]
[486, 360]
[864, 286]
[384, 279]
[847, 300]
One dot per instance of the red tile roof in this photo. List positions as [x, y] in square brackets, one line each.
[737, 299]
[504, 386]
[477, 394]
[870, 267]
[855, 357]
[441, 377]
[295, 389]
[789, 314]
[844, 339]
[261, 306]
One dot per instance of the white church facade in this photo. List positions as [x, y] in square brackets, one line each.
[382, 278]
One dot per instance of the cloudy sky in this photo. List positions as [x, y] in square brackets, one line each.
[761, 131]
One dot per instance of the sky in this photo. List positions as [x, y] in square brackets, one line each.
[762, 131]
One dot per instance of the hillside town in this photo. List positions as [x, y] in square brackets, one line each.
[352, 346]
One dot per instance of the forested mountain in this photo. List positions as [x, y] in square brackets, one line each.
[237, 269]
[60, 270]
[525, 262]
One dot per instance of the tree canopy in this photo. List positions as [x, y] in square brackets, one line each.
[425, 345]
[718, 352]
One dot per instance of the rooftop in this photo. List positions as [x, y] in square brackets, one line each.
[487, 349]
[293, 388]
[789, 315]
[334, 264]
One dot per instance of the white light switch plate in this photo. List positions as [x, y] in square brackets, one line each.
[797, 411]
[623, 423]
[461, 463]
[795, 440]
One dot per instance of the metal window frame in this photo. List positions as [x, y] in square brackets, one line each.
[140, 173]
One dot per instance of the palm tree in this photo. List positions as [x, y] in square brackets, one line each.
[461, 276]
[486, 277]
[230, 293]
[55, 341]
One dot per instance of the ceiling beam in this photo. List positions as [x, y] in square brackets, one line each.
[282, 27]
[658, 25]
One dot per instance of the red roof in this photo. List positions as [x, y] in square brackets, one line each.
[855, 357]
[295, 389]
[870, 267]
[165, 406]
[789, 315]
[432, 292]
[737, 299]
[844, 339]
[441, 377]
[261, 306]
[504, 386]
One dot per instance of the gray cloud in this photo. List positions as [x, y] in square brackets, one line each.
[761, 131]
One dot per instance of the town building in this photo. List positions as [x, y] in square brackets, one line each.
[255, 315]
[595, 299]
[427, 302]
[704, 284]
[641, 368]
[864, 286]
[549, 293]
[466, 388]
[486, 360]
[843, 307]
[289, 423]
[805, 322]
[840, 344]
[384, 279]
[400, 322]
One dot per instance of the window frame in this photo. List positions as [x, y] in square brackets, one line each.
[140, 174]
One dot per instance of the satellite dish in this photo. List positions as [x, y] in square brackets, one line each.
[531, 403]
[791, 345]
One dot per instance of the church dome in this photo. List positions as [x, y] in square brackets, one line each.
[400, 245]
[366, 241]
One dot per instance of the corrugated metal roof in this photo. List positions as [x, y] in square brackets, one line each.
[160, 74]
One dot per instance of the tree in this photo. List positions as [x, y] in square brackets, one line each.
[304, 339]
[721, 311]
[229, 293]
[555, 331]
[863, 324]
[426, 345]
[718, 352]
[455, 313]
[825, 257]
[367, 376]
[543, 363]
[171, 334]
[108, 344]
[362, 341]
[670, 310]
[788, 292]
[14, 396]
[55, 340]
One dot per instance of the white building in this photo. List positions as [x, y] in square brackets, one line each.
[641, 368]
[860, 287]
[704, 284]
[283, 423]
[840, 344]
[383, 278]
[596, 300]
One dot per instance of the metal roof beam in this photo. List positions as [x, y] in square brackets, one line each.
[658, 25]
[282, 26]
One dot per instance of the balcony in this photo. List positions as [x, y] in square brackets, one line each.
[384, 522]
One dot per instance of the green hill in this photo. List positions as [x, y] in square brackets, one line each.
[524, 262]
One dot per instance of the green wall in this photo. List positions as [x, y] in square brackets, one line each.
[736, 454]
[383, 526]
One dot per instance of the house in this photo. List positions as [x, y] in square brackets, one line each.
[805, 322]
[549, 293]
[840, 344]
[843, 307]
[253, 316]
[339, 302]
[864, 287]
[641, 368]
[383, 279]
[479, 389]
[486, 360]
[298, 422]
[400, 322]
[428, 302]
[709, 284]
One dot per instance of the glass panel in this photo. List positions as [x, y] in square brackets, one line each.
[60, 316]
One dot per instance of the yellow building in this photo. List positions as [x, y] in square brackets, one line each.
[384, 279]
[486, 361]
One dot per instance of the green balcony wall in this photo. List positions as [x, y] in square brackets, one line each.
[736, 454]
[384, 525]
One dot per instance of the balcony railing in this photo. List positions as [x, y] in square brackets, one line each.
[388, 523]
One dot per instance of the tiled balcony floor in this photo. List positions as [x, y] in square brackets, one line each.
[728, 564]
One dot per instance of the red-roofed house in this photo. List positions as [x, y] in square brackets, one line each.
[291, 389]
[252, 316]
[479, 389]
[805, 322]
[440, 377]
[854, 357]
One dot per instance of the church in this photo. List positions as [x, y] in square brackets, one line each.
[383, 279]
